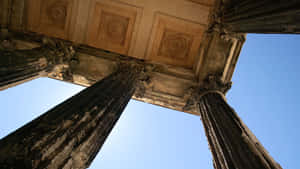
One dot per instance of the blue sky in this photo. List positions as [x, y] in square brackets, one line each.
[265, 95]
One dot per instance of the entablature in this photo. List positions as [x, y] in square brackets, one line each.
[182, 41]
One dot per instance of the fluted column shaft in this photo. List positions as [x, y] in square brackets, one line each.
[262, 16]
[18, 66]
[232, 144]
[71, 134]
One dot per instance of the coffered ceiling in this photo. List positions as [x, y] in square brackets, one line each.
[163, 31]
[173, 33]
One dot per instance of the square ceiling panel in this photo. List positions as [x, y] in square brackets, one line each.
[50, 17]
[175, 41]
[112, 26]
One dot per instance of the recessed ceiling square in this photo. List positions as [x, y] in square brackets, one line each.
[51, 17]
[175, 41]
[112, 26]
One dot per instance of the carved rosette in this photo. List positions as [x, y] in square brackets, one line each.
[114, 27]
[174, 41]
[51, 17]
[57, 13]
[175, 45]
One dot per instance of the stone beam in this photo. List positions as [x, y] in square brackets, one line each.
[219, 52]
[167, 86]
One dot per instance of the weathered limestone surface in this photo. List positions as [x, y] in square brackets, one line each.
[232, 144]
[154, 31]
[168, 86]
[262, 16]
[18, 66]
[219, 53]
[71, 134]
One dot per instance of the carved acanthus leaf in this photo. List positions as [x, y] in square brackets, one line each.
[212, 84]
[62, 53]
[143, 70]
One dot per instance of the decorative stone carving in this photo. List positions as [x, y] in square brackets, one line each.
[51, 17]
[174, 41]
[212, 84]
[18, 66]
[167, 83]
[56, 13]
[112, 26]
[175, 45]
[145, 81]
[145, 74]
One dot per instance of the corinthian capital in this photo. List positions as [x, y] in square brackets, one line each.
[212, 84]
[141, 69]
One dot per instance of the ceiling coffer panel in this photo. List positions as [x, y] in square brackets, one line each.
[51, 17]
[112, 26]
[175, 41]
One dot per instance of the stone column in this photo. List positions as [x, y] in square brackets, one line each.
[232, 144]
[72, 133]
[261, 16]
[18, 66]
